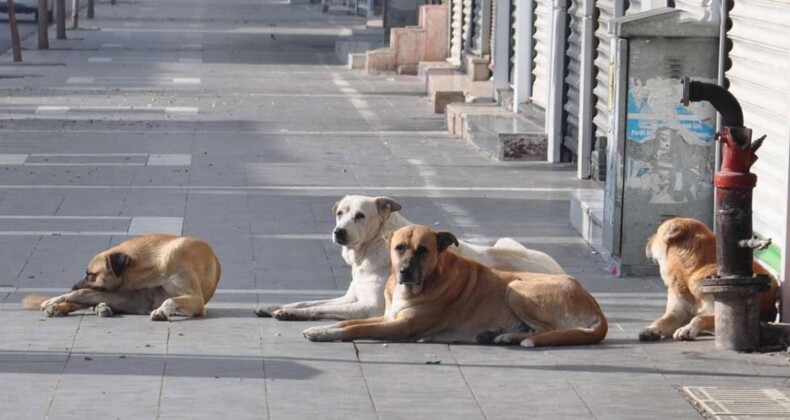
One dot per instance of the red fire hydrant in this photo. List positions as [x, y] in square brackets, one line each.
[735, 288]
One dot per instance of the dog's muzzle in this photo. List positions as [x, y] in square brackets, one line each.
[84, 284]
[340, 236]
[407, 275]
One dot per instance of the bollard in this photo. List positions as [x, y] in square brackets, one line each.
[735, 288]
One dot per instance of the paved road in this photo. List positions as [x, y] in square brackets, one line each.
[28, 27]
[233, 121]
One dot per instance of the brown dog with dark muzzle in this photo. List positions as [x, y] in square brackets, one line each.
[434, 295]
[685, 250]
[160, 275]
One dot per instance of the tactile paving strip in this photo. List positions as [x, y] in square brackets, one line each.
[740, 403]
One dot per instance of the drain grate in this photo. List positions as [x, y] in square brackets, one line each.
[740, 403]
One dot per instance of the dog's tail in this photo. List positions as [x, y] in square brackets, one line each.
[571, 336]
[33, 301]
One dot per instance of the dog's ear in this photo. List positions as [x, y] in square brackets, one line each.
[118, 263]
[387, 236]
[387, 205]
[649, 247]
[444, 240]
[674, 234]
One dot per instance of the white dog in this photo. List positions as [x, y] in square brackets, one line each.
[360, 225]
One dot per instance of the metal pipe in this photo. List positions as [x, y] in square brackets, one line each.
[720, 98]
[735, 287]
[724, 20]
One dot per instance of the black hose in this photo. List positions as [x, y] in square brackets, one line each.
[720, 98]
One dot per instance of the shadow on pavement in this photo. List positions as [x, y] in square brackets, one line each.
[276, 367]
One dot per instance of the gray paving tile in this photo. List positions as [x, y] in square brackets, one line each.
[169, 160]
[27, 388]
[142, 225]
[12, 159]
[59, 261]
[255, 173]
[151, 203]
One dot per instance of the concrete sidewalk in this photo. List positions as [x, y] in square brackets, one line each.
[234, 122]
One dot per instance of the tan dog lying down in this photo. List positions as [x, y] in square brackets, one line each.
[685, 249]
[436, 295]
[360, 223]
[163, 275]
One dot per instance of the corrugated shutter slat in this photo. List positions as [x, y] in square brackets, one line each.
[699, 9]
[542, 60]
[760, 57]
[573, 76]
[512, 45]
[456, 31]
[605, 9]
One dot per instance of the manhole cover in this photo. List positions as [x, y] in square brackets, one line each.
[740, 403]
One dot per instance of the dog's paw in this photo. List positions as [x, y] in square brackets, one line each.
[321, 334]
[53, 311]
[267, 311]
[507, 339]
[159, 315]
[488, 336]
[289, 315]
[528, 343]
[650, 334]
[51, 302]
[103, 310]
[685, 333]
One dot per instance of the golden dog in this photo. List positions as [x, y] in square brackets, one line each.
[439, 296]
[160, 275]
[685, 250]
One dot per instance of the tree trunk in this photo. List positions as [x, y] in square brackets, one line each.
[17, 44]
[75, 14]
[60, 18]
[43, 25]
[91, 7]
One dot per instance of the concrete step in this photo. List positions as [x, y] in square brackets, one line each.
[359, 45]
[356, 61]
[426, 68]
[532, 113]
[507, 137]
[362, 39]
[455, 114]
[410, 45]
[448, 86]
[586, 216]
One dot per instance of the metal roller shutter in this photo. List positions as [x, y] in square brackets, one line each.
[477, 27]
[760, 57]
[456, 31]
[466, 30]
[635, 6]
[605, 12]
[573, 75]
[491, 30]
[698, 8]
[480, 32]
[512, 45]
[542, 61]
